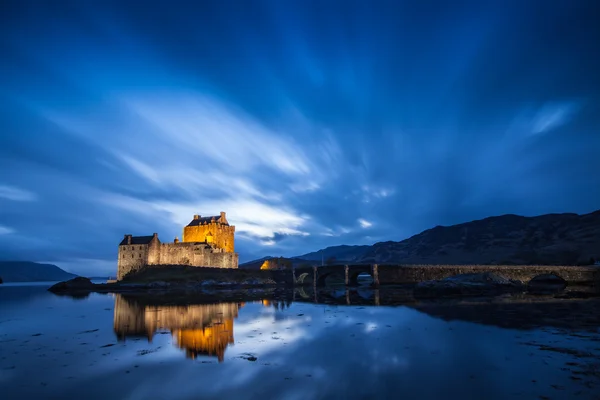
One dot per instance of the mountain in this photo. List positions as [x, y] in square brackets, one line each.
[550, 239]
[27, 271]
[343, 252]
[332, 254]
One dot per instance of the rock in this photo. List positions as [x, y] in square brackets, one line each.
[480, 284]
[79, 284]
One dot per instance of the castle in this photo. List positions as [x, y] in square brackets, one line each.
[206, 242]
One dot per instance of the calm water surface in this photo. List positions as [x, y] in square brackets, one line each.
[124, 347]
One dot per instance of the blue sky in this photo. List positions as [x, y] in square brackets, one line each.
[311, 123]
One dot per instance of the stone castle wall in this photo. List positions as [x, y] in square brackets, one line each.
[131, 258]
[222, 235]
[134, 257]
[194, 254]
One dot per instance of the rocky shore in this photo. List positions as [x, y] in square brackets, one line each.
[81, 285]
[463, 285]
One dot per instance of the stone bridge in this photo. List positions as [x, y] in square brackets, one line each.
[403, 274]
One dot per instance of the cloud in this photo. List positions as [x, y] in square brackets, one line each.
[552, 116]
[364, 223]
[4, 230]
[199, 155]
[16, 194]
[220, 135]
[250, 217]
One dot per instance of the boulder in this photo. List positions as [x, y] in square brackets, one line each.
[479, 284]
[79, 284]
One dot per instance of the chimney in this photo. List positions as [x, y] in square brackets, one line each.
[155, 235]
[176, 240]
[223, 214]
[196, 216]
[128, 237]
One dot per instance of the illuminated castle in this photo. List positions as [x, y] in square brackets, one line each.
[206, 242]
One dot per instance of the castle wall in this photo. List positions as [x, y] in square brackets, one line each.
[131, 258]
[222, 235]
[223, 260]
[194, 254]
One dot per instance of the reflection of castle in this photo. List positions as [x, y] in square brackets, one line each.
[200, 329]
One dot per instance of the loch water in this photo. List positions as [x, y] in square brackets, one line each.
[295, 344]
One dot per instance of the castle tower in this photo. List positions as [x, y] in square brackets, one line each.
[214, 230]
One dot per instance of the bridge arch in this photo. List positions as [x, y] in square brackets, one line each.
[354, 277]
[323, 277]
[547, 281]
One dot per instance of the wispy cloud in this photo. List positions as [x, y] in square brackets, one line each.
[217, 134]
[213, 157]
[364, 223]
[16, 194]
[250, 217]
[4, 230]
[553, 115]
[544, 119]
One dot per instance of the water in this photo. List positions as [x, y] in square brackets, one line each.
[285, 346]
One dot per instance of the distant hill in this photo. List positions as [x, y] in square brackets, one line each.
[343, 252]
[339, 253]
[551, 239]
[27, 271]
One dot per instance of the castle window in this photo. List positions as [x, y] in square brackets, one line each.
[140, 255]
[123, 255]
[132, 256]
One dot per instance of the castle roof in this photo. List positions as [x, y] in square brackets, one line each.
[137, 240]
[220, 219]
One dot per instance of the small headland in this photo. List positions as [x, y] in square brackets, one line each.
[177, 278]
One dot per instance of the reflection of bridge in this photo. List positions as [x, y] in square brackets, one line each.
[200, 329]
[403, 274]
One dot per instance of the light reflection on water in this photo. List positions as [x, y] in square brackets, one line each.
[283, 345]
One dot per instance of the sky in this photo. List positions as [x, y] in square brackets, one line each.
[311, 123]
